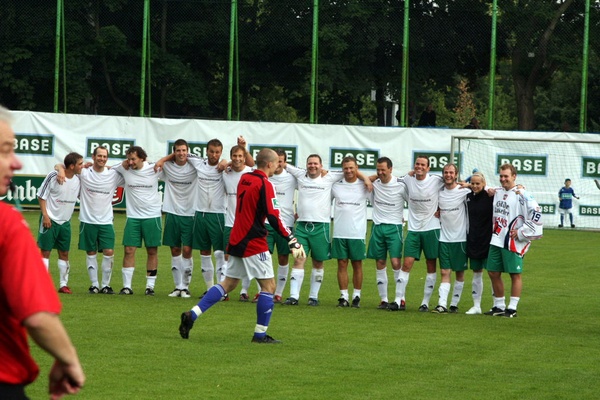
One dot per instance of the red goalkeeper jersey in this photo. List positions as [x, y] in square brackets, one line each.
[256, 202]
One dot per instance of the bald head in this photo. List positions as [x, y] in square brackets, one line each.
[267, 161]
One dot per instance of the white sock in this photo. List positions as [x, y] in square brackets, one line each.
[514, 302]
[63, 271]
[428, 289]
[221, 265]
[477, 288]
[344, 294]
[127, 276]
[92, 269]
[107, 267]
[356, 293]
[282, 273]
[296, 279]
[208, 271]
[245, 285]
[382, 284]
[187, 266]
[443, 291]
[499, 303]
[46, 263]
[150, 281]
[176, 269]
[316, 279]
[401, 278]
[457, 293]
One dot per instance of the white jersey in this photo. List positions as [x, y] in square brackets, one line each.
[141, 191]
[97, 193]
[211, 192]
[423, 202]
[60, 199]
[314, 195]
[285, 188]
[230, 182]
[350, 211]
[453, 214]
[516, 209]
[387, 200]
[180, 188]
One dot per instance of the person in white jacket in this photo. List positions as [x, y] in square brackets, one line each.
[517, 220]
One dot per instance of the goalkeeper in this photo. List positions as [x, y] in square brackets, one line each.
[248, 250]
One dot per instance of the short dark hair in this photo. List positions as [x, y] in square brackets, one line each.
[180, 142]
[315, 155]
[349, 159]
[422, 156]
[101, 148]
[385, 160]
[214, 143]
[141, 153]
[511, 167]
[71, 159]
[235, 149]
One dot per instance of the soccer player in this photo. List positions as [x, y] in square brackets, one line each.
[285, 187]
[387, 199]
[231, 178]
[349, 230]
[517, 221]
[565, 199]
[96, 230]
[57, 202]
[479, 234]
[28, 302]
[144, 218]
[248, 251]
[423, 227]
[181, 181]
[312, 226]
[453, 239]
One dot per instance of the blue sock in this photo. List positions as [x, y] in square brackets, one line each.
[264, 310]
[212, 296]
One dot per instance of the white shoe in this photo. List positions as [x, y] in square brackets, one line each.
[175, 293]
[474, 310]
[185, 293]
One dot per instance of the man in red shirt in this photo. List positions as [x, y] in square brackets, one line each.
[248, 249]
[28, 300]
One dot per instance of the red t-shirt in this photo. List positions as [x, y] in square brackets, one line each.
[256, 201]
[26, 288]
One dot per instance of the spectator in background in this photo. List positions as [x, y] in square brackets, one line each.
[28, 302]
[474, 124]
[565, 198]
[428, 117]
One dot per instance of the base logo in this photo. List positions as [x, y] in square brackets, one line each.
[438, 160]
[524, 164]
[117, 148]
[365, 158]
[291, 152]
[41, 145]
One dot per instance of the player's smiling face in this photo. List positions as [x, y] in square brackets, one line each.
[313, 167]
[449, 175]
[507, 179]
[134, 161]
[237, 160]
[383, 172]
[350, 169]
[100, 159]
[181, 153]
[421, 167]
[280, 165]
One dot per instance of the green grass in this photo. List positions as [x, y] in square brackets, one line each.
[130, 347]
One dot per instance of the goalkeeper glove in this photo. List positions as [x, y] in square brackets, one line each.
[296, 248]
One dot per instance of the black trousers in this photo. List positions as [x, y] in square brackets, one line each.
[12, 392]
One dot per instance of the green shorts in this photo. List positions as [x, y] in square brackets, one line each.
[274, 239]
[385, 238]
[477, 263]
[315, 238]
[94, 237]
[353, 249]
[502, 260]
[178, 230]
[453, 256]
[56, 237]
[226, 236]
[208, 231]
[147, 229]
[427, 241]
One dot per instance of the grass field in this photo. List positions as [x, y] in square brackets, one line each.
[130, 347]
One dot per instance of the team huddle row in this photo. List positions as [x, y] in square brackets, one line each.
[461, 224]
